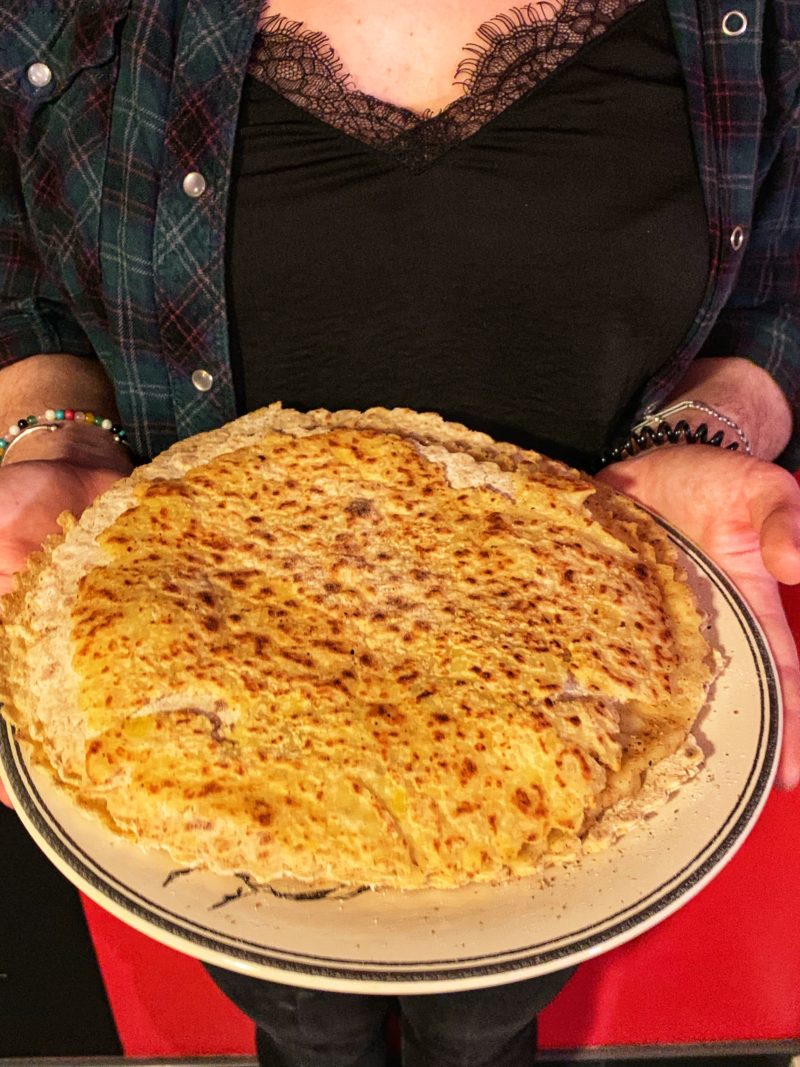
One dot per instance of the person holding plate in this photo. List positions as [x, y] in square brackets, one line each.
[574, 225]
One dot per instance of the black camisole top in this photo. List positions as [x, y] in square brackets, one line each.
[521, 262]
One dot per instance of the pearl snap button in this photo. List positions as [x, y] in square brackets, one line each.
[737, 238]
[39, 75]
[734, 23]
[202, 380]
[194, 184]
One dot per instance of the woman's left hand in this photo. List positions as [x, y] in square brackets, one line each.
[745, 514]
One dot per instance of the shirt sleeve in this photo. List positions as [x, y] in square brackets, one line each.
[761, 320]
[34, 316]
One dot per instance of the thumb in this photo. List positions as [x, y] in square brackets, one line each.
[773, 498]
[780, 542]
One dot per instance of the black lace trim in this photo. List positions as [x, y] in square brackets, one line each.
[514, 53]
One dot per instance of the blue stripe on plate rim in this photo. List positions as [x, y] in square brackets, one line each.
[104, 887]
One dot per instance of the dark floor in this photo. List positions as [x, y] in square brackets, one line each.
[52, 1001]
[683, 1061]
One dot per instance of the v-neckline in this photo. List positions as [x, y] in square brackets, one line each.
[517, 53]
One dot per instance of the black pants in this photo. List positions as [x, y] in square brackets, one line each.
[479, 1028]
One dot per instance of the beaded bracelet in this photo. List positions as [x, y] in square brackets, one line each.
[54, 419]
[655, 430]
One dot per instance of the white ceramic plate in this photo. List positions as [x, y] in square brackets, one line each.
[435, 941]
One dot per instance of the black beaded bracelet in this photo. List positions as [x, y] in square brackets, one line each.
[664, 433]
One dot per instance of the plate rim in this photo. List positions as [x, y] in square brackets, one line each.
[292, 967]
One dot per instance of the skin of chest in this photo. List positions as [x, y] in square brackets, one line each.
[404, 53]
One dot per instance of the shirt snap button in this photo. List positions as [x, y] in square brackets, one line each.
[734, 23]
[202, 380]
[39, 75]
[194, 184]
[737, 238]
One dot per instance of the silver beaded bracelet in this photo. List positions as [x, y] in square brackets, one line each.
[696, 405]
[655, 429]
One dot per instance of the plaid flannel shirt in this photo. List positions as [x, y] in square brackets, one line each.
[104, 254]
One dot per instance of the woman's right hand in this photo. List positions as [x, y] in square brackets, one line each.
[33, 494]
[46, 474]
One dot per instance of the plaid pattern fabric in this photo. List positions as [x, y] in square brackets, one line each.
[103, 254]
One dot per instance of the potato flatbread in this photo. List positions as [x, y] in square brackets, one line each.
[364, 648]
